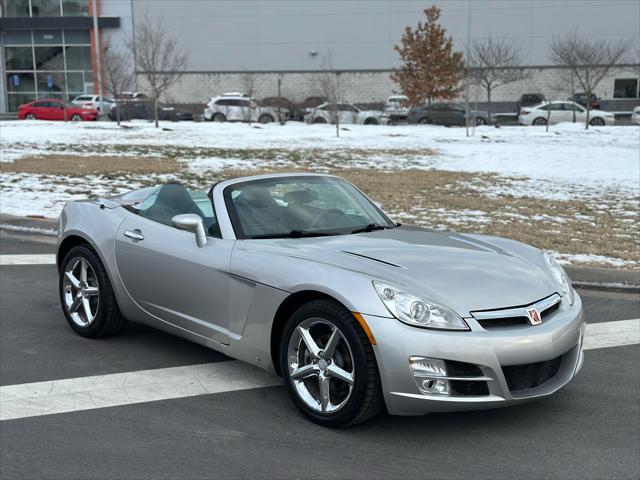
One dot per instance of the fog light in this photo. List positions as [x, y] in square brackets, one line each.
[428, 373]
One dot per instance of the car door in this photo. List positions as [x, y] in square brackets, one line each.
[167, 274]
[456, 114]
[556, 113]
[581, 113]
[439, 114]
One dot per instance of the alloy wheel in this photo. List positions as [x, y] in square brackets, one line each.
[321, 365]
[81, 292]
[31, 116]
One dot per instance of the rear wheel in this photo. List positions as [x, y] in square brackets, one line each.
[30, 116]
[219, 117]
[597, 122]
[328, 365]
[480, 121]
[265, 118]
[86, 295]
[423, 121]
[76, 118]
[540, 121]
[371, 121]
[319, 120]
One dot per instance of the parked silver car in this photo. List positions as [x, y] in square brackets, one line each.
[304, 276]
[345, 113]
[93, 101]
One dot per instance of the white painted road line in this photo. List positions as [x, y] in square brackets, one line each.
[41, 259]
[612, 334]
[87, 393]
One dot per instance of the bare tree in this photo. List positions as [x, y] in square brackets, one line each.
[590, 60]
[493, 62]
[159, 60]
[118, 72]
[248, 80]
[330, 87]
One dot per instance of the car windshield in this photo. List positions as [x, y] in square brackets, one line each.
[300, 206]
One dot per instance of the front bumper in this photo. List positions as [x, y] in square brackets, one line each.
[558, 336]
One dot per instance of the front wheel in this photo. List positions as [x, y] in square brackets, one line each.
[86, 295]
[371, 121]
[597, 122]
[480, 121]
[76, 118]
[265, 118]
[328, 365]
[319, 120]
[30, 116]
[219, 117]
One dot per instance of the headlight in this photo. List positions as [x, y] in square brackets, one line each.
[561, 278]
[416, 312]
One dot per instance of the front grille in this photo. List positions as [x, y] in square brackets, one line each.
[465, 387]
[530, 375]
[516, 316]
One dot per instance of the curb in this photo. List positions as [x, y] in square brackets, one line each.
[581, 277]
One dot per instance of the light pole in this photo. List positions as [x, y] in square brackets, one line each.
[96, 42]
[467, 112]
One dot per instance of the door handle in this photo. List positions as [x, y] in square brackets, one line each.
[134, 234]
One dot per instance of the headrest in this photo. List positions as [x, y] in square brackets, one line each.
[257, 196]
[300, 197]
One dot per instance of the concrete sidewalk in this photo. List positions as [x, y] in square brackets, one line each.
[585, 277]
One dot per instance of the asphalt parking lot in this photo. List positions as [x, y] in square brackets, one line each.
[590, 429]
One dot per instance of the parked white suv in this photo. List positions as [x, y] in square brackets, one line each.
[345, 112]
[237, 107]
[93, 101]
[562, 111]
[396, 109]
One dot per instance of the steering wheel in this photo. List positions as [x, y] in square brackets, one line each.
[326, 213]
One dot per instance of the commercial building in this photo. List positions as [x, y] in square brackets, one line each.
[48, 49]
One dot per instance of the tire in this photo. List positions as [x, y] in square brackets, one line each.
[424, 121]
[597, 122]
[319, 120]
[265, 118]
[371, 121]
[540, 121]
[76, 118]
[31, 116]
[107, 319]
[355, 403]
[480, 121]
[218, 117]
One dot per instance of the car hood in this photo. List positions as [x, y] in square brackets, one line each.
[463, 272]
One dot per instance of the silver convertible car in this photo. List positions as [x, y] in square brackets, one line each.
[304, 276]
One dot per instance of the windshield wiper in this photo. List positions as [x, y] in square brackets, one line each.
[293, 234]
[370, 228]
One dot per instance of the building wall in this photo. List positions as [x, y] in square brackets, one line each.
[371, 87]
[282, 35]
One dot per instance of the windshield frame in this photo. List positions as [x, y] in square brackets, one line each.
[237, 226]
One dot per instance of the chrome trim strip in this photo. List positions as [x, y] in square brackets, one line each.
[540, 305]
[465, 379]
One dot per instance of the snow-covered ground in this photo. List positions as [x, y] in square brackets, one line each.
[601, 165]
[604, 157]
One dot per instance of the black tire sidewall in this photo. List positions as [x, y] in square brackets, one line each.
[321, 309]
[104, 286]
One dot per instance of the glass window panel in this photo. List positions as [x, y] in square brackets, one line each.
[50, 95]
[17, 37]
[78, 58]
[47, 37]
[75, 81]
[78, 37]
[625, 88]
[49, 58]
[45, 8]
[20, 82]
[14, 100]
[15, 8]
[75, 8]
[50, 82]
[18, 58]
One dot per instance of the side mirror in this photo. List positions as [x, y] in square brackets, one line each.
[192, 223]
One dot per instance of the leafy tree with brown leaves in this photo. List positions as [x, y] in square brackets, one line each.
[430, 69]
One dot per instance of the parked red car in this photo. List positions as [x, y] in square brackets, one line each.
[54, 109]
